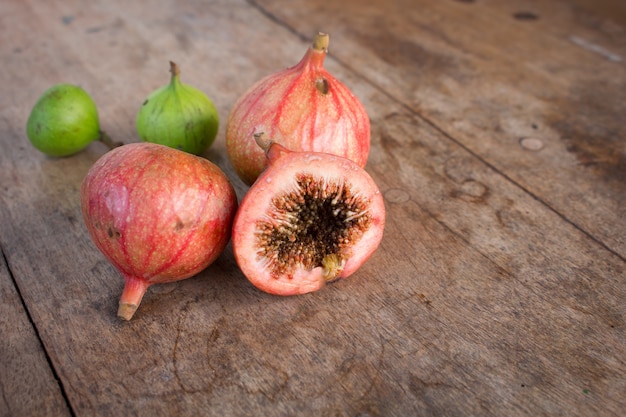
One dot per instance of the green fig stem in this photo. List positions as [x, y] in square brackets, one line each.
[175, 71]
[106, 139]
[134, 289]
[321, 41]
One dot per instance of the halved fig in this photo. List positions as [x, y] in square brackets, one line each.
[309, 219]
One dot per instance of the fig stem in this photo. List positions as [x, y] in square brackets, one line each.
[134, 290]
[174, 69]
[272, 150]
[314, 58]
[108, 141]
[321, 41]
[263, 141]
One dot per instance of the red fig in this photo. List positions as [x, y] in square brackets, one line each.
[310, 218]
[304, 108]
[158, 214]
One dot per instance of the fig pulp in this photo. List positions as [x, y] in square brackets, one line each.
[310, 218]
[304, 108]
[179, 116]
[158, 214]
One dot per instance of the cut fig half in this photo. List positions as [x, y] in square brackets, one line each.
[309, 219]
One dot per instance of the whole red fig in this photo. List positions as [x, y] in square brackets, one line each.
[304, 108]
[309, 219]
[158, 214]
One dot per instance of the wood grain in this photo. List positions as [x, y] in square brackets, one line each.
[27, 384]
[499, 286]
[552, 77]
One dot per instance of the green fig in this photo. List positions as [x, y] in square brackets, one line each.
[179, 116]
[63, 121]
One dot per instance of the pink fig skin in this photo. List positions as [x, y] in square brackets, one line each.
[158, 215]
[280, 176]
[304, 108]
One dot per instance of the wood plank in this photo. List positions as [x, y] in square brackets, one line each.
[27, 384]
[480, 301]
[535, 96]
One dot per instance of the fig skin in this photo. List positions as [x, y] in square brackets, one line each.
[304, 108]
[179, 116]
[280, 177]
[63, 121]
[158, 215]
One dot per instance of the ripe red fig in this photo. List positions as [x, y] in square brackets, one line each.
[304, 108]
[310, 218]
[158, 214]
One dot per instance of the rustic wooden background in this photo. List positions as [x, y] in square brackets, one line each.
[498, 140]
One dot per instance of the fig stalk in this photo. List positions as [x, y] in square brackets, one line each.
[271, 152]
[320, 42]
[134, 290]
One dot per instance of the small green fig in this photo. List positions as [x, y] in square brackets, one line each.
[179, 116]
[63, 121]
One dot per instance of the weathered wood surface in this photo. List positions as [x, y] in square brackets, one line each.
[490, 74]
[27, 384]
[499, 288]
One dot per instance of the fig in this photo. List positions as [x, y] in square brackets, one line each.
[63, 121]
[157, 214]
[179, 116]
[309, 219]
[304, 108]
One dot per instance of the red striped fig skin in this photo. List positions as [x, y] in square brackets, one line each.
[158, 214]
[303, 108]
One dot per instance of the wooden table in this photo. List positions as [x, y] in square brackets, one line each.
[498, 140]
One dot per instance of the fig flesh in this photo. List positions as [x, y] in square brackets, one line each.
[158, 214]
[309, 219]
